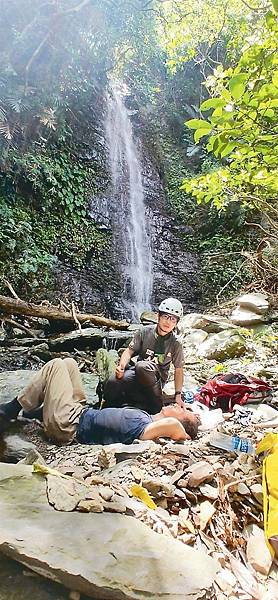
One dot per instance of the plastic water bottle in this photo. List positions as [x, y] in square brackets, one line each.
[231, 443]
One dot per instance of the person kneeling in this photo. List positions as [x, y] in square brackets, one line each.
[58, 387]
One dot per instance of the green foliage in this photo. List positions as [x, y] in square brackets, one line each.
[243, 127]
[52, 56]
[21, 258]
[58, 179]
[55, 59]
[224, 269]
[174, 166]
[206, 31]
[30, 242]
[78, 245]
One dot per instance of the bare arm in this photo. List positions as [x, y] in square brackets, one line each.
[178, 385]
[125, 357]
[169, 427]
[124, 360]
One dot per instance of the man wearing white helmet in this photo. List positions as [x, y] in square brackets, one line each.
[156, 346]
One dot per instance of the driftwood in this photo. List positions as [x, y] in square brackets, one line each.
[52, 313]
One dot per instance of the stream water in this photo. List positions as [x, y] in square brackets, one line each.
[132, 238]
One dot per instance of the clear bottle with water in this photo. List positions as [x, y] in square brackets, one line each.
[231, 443]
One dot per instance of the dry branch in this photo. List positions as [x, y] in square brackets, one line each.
[75, 317]
[19, 307]
[19, 326]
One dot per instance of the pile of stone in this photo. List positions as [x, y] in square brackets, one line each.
[204, 497]
[199, 499]
[215, 344]
[251, 309]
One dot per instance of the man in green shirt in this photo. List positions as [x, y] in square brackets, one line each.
[156, 346]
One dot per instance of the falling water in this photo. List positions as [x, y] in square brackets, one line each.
[133, 241]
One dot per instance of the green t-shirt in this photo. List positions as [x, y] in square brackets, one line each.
[162, 349]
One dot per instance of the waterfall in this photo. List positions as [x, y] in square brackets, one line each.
[127, 201]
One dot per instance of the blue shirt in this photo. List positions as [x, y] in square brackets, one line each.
[111, 425]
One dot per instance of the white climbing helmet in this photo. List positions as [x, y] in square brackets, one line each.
[171, 306]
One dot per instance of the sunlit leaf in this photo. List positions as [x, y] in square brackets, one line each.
[198, 124]
[237, 85]
[212, 103]
[199, 133]
[227, 149]
[138, 491]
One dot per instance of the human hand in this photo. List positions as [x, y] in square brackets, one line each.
[179, 401]
[119, 372]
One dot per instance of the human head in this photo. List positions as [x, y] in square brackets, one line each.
[187, 418]
[169, 312]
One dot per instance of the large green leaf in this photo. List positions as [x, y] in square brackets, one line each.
[212, 103]
[275, 78]
[198, 124]
[199, 133]
[237, 85]
[227, 149]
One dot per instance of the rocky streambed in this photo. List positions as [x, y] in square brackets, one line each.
[198, 527]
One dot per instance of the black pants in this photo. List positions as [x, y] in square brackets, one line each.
[140, 387]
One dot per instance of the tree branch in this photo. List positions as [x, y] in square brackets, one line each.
[12, 306]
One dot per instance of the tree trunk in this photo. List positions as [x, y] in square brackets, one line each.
[14, 306]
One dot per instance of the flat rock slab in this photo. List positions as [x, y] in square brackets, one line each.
[12, 382]
[107, 556]
[89, 337]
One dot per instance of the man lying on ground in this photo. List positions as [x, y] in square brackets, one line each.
[58, 387]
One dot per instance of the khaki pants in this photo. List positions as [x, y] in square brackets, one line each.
[58, 386]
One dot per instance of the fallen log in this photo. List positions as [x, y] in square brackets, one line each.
[52, 313]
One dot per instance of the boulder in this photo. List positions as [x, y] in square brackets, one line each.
[258, 553]
[12, 382]
[194, 338]
[91, 337]
[148, 316]
[245, 317]
[208, 323]
[108, 555]
[14, 448]
[254, 302]
[221, 346]
[189, 321]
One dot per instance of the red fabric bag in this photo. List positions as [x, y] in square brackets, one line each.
[221, 392]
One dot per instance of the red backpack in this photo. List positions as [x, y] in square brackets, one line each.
[226, 390]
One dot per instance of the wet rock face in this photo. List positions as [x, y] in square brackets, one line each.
[175, 272]
[101, 285]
